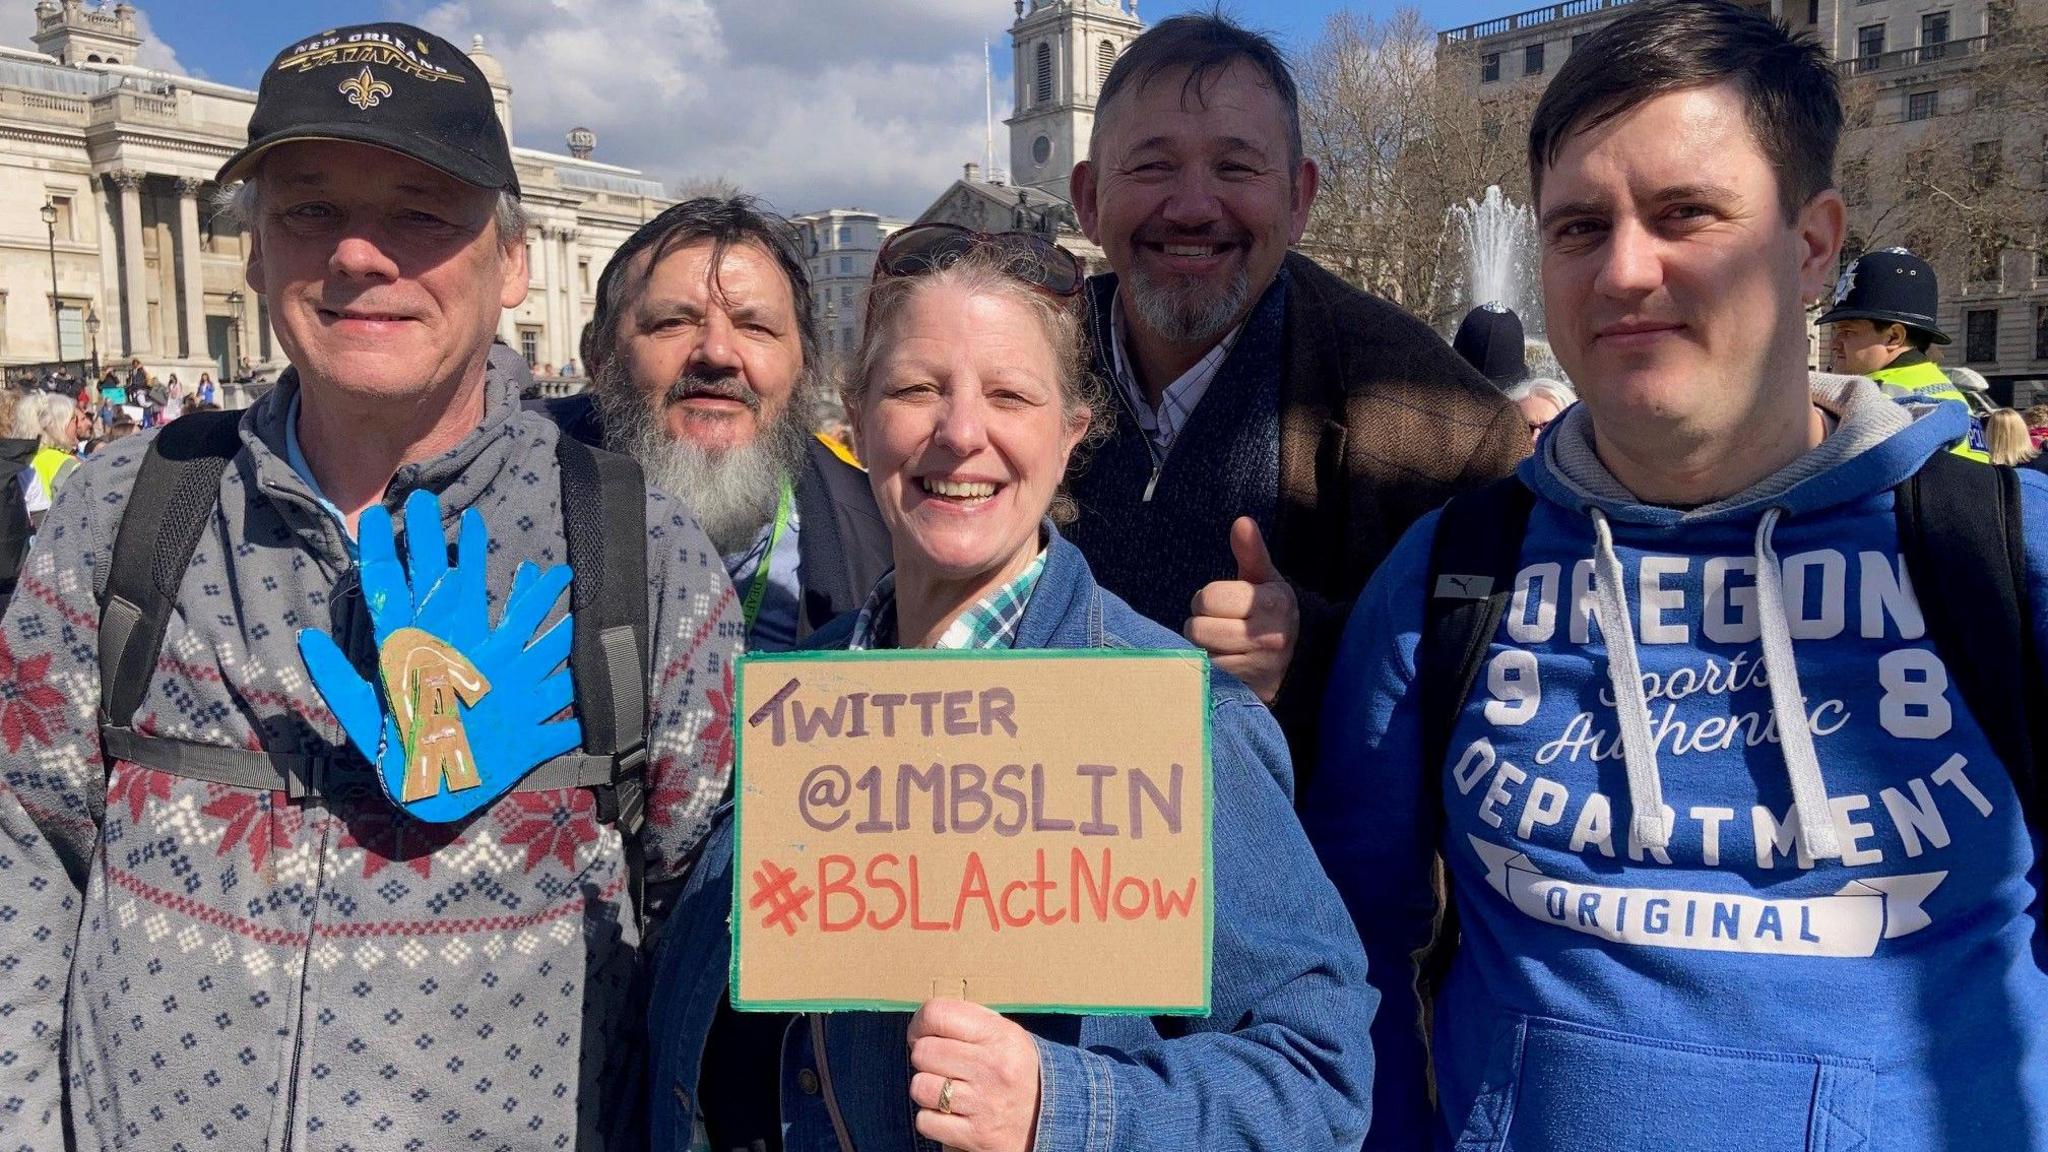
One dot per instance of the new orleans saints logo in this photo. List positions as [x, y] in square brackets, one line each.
[423, 679]
[364, 90]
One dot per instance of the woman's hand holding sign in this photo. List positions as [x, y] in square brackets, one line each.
[975, 1078]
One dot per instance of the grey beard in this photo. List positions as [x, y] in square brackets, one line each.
[1185, 311]
[732, 493]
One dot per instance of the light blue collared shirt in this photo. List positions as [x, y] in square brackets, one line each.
[296, 457]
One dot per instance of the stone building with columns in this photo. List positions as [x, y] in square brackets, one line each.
[110, 246]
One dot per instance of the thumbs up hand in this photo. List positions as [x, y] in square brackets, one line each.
[1248, 625]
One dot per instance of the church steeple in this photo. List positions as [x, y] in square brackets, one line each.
[1062, 52]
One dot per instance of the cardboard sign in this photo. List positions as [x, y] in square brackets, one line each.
[1027, 830]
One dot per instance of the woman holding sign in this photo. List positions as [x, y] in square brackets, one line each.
[970, 398]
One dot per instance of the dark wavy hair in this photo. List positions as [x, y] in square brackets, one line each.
[725, 221]
[1791, 96]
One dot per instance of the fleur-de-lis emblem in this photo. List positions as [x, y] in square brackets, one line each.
[365, 90]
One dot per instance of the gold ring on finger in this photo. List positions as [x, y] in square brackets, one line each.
[946, 1097]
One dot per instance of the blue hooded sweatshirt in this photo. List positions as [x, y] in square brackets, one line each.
[1734, 866]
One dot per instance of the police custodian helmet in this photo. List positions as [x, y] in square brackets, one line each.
[1889, 287]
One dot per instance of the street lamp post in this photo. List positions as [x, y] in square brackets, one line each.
[56, 320]
[232, 354]
[92, 329]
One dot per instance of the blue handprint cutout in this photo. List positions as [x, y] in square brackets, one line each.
[463, 712]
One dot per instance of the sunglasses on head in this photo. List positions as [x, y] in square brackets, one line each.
[1027, 256]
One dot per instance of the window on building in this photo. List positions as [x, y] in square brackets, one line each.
[529, 345]
[1041, 83]
[1980, 336]
[1985, 258]
[2041, 261]
[1922, 105]
[1105, 59]
[1933, 35]
[845, 234]
[1869, 45]
[70, 331]
[1987, 162]
[846, 265]
[847, 341]
[583, 273]
[65, 227]
[1532, 60]
[1579, 39]
[1489, 67]
[2041, 331]
[1813, 11]
[846, 293]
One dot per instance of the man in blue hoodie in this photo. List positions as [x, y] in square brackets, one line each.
[1734, 864]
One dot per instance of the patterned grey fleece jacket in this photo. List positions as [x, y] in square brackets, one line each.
[189, 965]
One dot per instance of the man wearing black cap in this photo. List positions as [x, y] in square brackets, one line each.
[1884, 323]
[220, 925]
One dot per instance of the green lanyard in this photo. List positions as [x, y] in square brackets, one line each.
[757, 590]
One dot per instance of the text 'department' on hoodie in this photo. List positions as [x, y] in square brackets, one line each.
[1734, 867]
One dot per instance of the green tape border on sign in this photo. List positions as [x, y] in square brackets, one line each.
[1178, 655]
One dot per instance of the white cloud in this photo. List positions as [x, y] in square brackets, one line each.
[18, 28]
[810, 103]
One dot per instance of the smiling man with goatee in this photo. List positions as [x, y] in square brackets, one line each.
[703, 364]
[1276, 428]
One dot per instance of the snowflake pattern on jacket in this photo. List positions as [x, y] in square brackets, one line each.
[186, 964]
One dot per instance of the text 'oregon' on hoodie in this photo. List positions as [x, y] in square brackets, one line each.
[1734, 867]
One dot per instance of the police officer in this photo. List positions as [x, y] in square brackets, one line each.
[1884, 325]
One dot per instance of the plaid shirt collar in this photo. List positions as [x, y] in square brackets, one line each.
[991, 623]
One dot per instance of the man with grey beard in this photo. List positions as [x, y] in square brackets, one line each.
[1277, 429]
[703, 366]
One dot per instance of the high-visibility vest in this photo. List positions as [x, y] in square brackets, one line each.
[1924, 380]
[51, 464]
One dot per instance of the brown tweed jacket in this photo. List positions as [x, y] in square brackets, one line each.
[1379, 423]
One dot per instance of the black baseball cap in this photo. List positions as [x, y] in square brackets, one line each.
[393, 86]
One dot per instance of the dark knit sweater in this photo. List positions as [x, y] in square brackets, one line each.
[1225, 463]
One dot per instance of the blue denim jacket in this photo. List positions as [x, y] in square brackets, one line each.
[1282, 1062]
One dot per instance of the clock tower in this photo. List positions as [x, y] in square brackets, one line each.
[1062, 52]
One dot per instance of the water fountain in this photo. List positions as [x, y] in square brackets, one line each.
[1501, 267]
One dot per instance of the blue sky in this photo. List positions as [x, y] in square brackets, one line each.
[812, 103]
[229, 40]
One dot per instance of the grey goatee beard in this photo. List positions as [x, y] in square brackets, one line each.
[1187, 311]
[732, 492]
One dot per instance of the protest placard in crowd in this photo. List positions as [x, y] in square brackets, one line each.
[1025, 830]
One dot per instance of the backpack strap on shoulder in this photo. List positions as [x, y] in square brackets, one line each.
[1961, 534]
[181, 472]
[604, 517]
[1471, 577]
[1470, 580]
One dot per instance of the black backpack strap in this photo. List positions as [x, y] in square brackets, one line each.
[1960, 531]
[1471, 576]
[181, 474]
[604, 517]
[1470, 580]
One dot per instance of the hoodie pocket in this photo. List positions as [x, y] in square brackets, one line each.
[1552, 1086]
